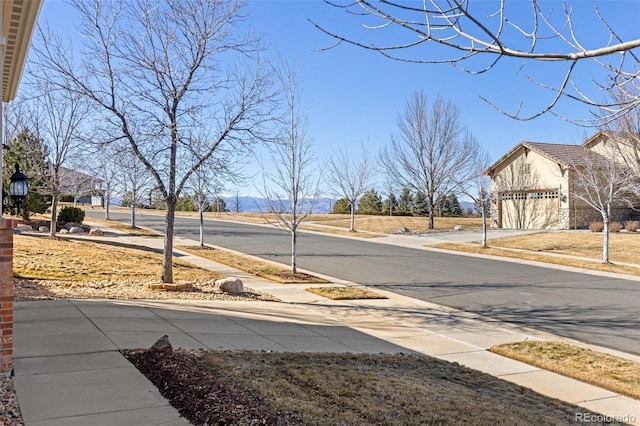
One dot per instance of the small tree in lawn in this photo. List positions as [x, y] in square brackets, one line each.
[349, 174]
[479, 189]
[290, 186]
[134, 179]
[600, 181]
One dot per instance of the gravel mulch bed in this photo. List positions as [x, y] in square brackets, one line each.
[27, 289]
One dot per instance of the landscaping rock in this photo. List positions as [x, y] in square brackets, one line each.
[76, 230]
[16, 232]
[97, 232]
[403, 230]
[169, 287]
[70, 225]
[63, 231]
[43, 229]
[24, 228]
[231, 285]
[458, 228]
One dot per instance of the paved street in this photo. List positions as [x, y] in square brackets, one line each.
[590, 308]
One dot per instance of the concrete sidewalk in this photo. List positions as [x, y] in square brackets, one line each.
[68, 370]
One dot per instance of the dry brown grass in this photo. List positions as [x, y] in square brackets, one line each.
[40, 257]
[381, 389]
[540, 257]
[345, 293]
[607, 371]
[366, 223]
[123, 227]
[391, 224]
[623, 247]
[252, 265]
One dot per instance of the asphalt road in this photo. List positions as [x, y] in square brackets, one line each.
[585, 307]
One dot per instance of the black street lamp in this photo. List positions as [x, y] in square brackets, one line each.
[18, 187]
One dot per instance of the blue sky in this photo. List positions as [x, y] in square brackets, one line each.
[354, 95]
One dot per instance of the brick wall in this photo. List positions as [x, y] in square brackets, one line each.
[6, 294]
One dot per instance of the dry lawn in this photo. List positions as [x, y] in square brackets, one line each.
[540, 257]
[623, 247]
[379, 389]
[40, 257]
[345, 293]
[252, 265]
[366, 223]
[123, 227]
[607, 371]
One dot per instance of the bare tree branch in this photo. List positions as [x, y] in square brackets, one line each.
[476, 36]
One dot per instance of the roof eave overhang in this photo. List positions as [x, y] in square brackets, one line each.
[18, 21]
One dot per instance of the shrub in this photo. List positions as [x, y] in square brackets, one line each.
[631, 225]
[615, 227]
[71, 214]
[596, 227]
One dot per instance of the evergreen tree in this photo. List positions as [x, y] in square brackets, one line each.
[185, 204]
[370, 203]
[455, 209]
[419, 205]
[218, 206]
[29, 152]
[341, 206]
[405, 201]
[390, 204]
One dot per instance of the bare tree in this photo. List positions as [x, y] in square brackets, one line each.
[433, 152]
[108, 174]
[479, 189]
[349, 174]
[59, 115]
[134, 179]
[152, 70]
[202, 185]
[476, 36]
[290, 186]
[601, 182]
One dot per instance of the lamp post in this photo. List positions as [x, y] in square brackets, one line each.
[18, 187]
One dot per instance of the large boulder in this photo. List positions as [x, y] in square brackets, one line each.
[230, 285]
[97, 232]
[43, 229]
[70, 225]
[76, 230]
[458, 228]
[24, 228]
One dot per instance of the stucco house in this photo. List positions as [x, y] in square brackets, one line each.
[533, 184]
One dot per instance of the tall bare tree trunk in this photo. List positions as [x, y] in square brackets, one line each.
[133, 214]
[294, 265]
[54, 212]
[169, 221]
[484, 225]
[201, 214]
[353, 217]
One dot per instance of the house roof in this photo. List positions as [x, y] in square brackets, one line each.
[566, 155]
[17, 20]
